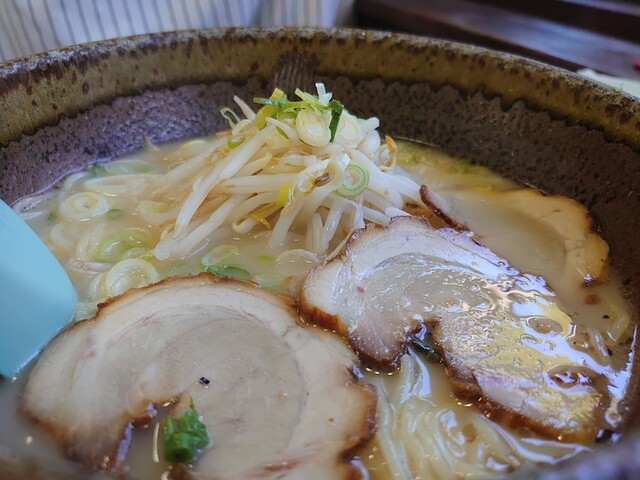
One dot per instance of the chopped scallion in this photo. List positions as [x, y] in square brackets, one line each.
[152, 206]
[277, 98]
[219, 253]
[114, 213]
[336, 111]
[183, 268]
[353, 189]
[184, 437]
[311, 100]
[273, 106]
[230, 116]
[269, 280]
[265, 101]
[234, 142]
[262, 115]
[112, 248]
[148, 256]
[283, 195]
[97, 169]
[228, 271]
[278, 106]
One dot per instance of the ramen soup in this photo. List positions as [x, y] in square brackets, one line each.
[482, 312]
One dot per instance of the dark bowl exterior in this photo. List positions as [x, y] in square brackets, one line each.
[531, 122]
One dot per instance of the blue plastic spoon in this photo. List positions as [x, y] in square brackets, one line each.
[36, 296]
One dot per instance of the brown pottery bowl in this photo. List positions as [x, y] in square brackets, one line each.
[528, 121]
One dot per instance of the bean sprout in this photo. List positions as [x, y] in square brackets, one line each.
[281, 170]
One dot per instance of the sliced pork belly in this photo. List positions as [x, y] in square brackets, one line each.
[279, 399]
[499, 332]
[557, 229]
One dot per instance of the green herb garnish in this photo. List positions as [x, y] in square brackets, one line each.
[278, 106]
[184, 437]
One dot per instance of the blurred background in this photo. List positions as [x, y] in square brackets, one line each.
[601, 35]
[591, 36]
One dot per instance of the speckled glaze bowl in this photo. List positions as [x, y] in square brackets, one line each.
[537, 124]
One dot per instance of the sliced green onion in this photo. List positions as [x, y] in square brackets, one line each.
[114, 213]
[276, 98]
[184, 437]
[152, 206]
[348, 130]
[348, 189]
[283, 194]
[311, 100]
[97, 169]
[228, 271]
[218, 254]
[336, 110]
[312, 129]
[234, 142]
[128, 273]
[127, 166]
[269, 280]
[282, 132]
[52, 217]
[291, 107]
[186, 267]
[230, 116]
[148, 255]
[288, 116]
[266, 258]
[262, 115]
[272, 107]
[115, 246]
[265, 101]
[278, 105]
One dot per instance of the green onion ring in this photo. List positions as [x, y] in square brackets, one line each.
[349, 190]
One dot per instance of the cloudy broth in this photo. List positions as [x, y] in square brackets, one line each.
[423, 431]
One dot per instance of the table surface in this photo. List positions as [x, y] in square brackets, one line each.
[603, 35]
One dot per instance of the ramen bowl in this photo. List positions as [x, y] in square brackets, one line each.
[536, 124]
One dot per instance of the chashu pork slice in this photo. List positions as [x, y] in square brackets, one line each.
[557, 229]
[500, 333]
[279, 399]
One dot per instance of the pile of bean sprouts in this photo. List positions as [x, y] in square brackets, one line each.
[298, 175]
[284, 168]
